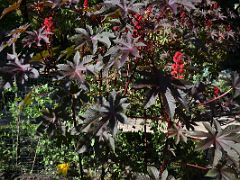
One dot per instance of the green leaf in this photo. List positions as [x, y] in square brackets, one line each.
[26, 101]
[39, 57]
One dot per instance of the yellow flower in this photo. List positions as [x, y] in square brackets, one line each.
[63, 168]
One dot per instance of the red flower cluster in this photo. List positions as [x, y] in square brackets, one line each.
[216, 91]
[85, 4]
[137, 21]
[48, 24]
[178, 66]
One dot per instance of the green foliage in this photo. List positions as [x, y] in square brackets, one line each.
[72, 71]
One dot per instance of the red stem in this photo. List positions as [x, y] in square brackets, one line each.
[216, 98]
[197, 166]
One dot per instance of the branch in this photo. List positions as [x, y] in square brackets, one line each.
[130, 78]
[197, 166]
[216, 98]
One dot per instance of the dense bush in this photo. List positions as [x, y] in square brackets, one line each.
[72, 70]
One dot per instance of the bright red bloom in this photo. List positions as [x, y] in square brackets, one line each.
[174, 73]
[48, 24]
[181, 71]
[85, 4]
[174, 66]
[216, 91]
[177, 69]
[177, 58]
[180, 77]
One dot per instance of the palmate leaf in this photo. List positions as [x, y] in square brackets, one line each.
[185, 118]
[14, 35]
[155, 175]
[222, 139]
[36, 37]
[222, 172]
[111, 111]
[77, 69]
[87, 37]
[18, 68]
[178, 132]
[164, 86]
[125, 47]
[188, 4]
[122, 7]
[52, 122]
[101, 120]
[174, 4]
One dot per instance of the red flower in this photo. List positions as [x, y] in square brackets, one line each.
[216, 91]
[177, 69]
[48, 24]
[174, 73]
[85, 4]
[177, 58]
[181, 71]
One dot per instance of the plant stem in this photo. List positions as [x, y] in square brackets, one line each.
[17, 141]
[74, 111]
[193, 165]
[197, 166]
[145, 139]
[103, 172]
[165, 151]
[216, 98]
[75, 125]
[131, 77]
[35, 156]
[80, 165]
